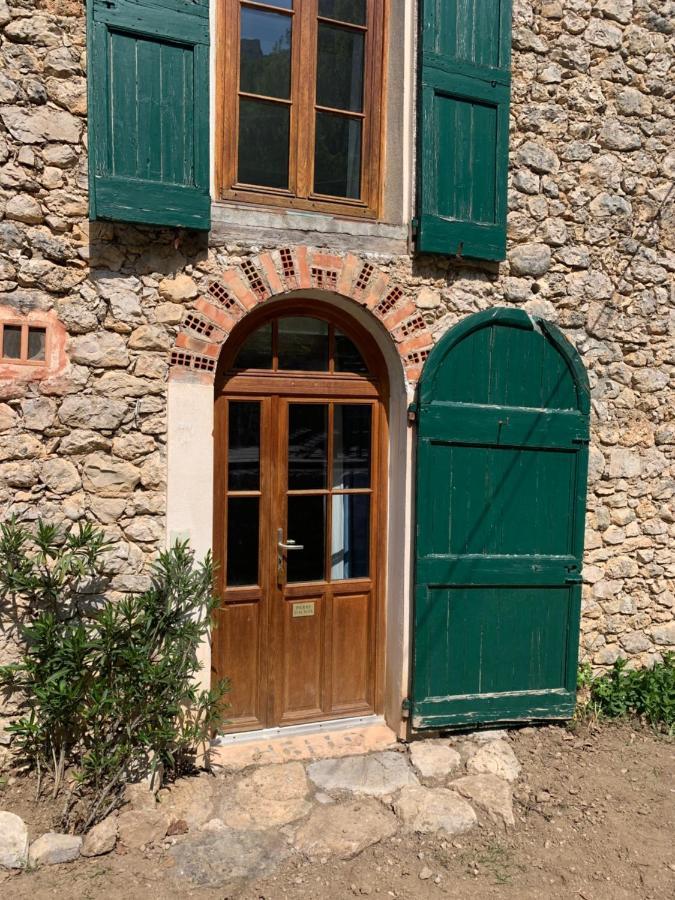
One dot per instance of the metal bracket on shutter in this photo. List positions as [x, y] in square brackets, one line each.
[412, 413]
[406, 707]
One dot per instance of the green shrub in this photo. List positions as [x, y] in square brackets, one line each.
[646, 693]
[111, 696]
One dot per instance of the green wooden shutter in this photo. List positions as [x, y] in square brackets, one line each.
[149, 111]
[502, 459]
[463, 127]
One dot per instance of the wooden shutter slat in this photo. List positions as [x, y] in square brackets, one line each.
[149, 119]
[463, 127]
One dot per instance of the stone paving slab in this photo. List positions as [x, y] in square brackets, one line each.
[227, 856]
[377, 775]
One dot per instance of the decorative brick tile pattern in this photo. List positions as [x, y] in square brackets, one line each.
[242, 288]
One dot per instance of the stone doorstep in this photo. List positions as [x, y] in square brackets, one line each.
[326, 744]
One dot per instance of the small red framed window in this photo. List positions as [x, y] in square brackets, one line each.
[23, 344]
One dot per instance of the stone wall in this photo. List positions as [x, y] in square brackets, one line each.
[591, 247]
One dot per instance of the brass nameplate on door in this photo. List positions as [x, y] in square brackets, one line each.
[303, 609]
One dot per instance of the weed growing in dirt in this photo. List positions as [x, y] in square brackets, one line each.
[646, 693]
[109, 694]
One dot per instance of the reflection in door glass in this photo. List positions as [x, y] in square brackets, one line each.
[303, 344]
[243, 457]
[351, 446]
[350, 543]
[307, 446]
[307, 527]
[242, 541]
[347, 355]
[256, 352]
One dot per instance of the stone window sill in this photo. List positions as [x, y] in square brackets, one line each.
[263, 226]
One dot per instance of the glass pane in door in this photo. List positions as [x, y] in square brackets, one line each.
[243, 456]
[242, 541]
[307, 527]
[351, 446]
[350, 536]
[307, 446]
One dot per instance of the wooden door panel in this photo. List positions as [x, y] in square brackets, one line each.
[301, 659]
[351, 652]
[237, 634]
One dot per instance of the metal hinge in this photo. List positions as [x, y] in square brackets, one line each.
[584, 441]
[414, 227]
[406, 707]
[412, 413]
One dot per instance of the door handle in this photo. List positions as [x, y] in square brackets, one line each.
[281, 547]
[290, 545]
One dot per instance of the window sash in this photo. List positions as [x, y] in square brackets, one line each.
[303, 109]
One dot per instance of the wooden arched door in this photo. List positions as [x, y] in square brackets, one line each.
[300, 451]
[502, 459]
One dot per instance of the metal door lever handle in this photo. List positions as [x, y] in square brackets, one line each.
[290, 545]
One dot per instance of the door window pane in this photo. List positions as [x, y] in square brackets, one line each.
[11, 342]
[350, 536]
[263, 143]
[37, 338]
[256, 351]
[306, 526]
[303, 344]
[265, 63]
[243, 459]
[337, 156]
[242, 541]
[344, 10]
[281, 4]
[347, 355]
[307, 446]
[351, 446]
[339, 78]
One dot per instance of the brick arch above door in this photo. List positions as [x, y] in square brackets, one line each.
[258, 279]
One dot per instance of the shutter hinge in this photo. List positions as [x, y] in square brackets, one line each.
[412, 413]
[584, 441]
[406, 707]
[414, 227]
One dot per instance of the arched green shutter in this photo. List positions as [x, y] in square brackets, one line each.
[149, 111]
[463, 127]
[502, 460]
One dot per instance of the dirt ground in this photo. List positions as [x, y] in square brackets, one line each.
[595, 819]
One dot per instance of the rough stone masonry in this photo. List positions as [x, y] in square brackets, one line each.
[591, 247]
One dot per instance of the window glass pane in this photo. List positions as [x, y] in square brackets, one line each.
[256, 351]
[11, 342]
[306, 526]
[263, 143]
[339, 78]
[350, 536]
[307, 446]
[37, 338]
[347, 355]
[351, 445]
[265, 63]
[303, 344]
[344, 10]
[242, 541]
[337, 159]
[243, 448]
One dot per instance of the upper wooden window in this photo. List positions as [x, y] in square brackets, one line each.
[299, 95]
